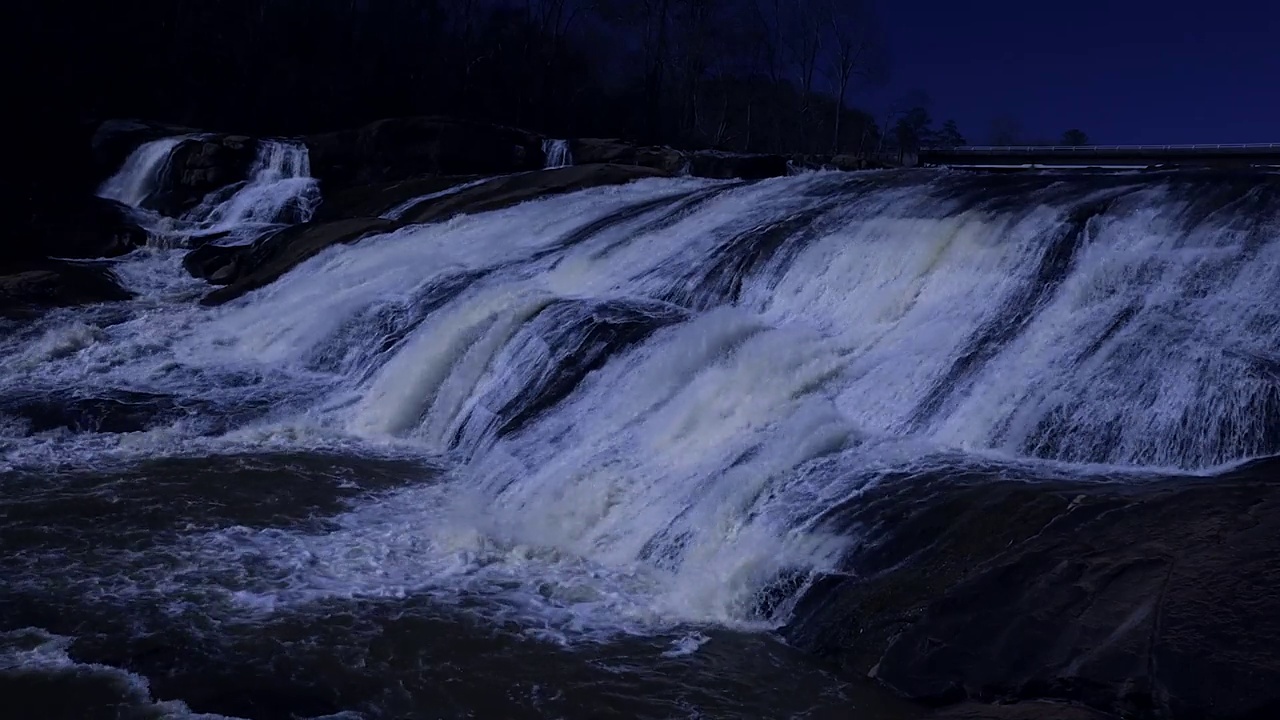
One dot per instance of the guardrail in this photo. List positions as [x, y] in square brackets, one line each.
[1087, 149]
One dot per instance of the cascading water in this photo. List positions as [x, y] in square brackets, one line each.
[647, 399]
[142, 173]
[557, 153]
[279, 189]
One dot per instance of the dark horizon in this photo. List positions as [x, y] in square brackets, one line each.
[1136, 73]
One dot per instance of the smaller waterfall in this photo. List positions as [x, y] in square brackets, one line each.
[279, 189]
[142, 172]
[557, 153]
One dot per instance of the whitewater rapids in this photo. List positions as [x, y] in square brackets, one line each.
[643, 399]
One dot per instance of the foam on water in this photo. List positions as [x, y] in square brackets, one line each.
[37, 655]
[650, 395]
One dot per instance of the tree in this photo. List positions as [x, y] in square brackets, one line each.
[912, 131]
[1006, 130]
[1075, 137]
[856, 51]
[949, 136]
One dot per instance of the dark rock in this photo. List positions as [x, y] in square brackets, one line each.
[588, 151]
[246, 268]
[377, 198]
[214, 263]
[506, 191]
[114, 140]
[1159, 599]
[83, 228]
[28, 287]
[116, 412]
[1019, 711]
[850, 162]
[726, 166]
[401, 148]
[200, 166]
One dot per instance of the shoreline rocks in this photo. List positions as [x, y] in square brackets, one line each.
[30, 287]
[1151, 600]
[241, 269]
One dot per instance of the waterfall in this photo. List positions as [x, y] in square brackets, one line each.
[279, 189]
[142, 172]
[557, 153]
[677, 379]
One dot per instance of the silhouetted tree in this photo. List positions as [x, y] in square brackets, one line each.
[949, 136]
[856, 51]
[1074, 137]
[913, 131]
[759, 75]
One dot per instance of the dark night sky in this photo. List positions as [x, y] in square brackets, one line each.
[1124, 71]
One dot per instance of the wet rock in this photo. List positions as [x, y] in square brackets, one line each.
[116, 412]
[1153, 600]
[726, 166]
[402, 148]
[246, 268]
[81, 228]
[506, 191]
[1019, 711]
[200, 166]
[377, 198]
[28, 287]
[601, 150]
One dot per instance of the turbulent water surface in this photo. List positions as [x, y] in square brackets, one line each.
[576, 458]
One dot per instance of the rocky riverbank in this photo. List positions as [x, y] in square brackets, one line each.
[362, 173]
[1159, 599]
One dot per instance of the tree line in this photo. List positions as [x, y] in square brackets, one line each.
[746, 75]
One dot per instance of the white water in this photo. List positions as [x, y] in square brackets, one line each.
[280, 188]
[557, 153]
[398, 212]
[142, 172]
[892, 327]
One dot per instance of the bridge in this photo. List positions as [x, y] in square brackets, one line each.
[1104, 156]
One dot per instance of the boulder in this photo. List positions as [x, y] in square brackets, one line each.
[377, 198]
[588, 151]
[28, 287]
[506, 191]
[81, 228]
[726, 166]
[1151, 600]
[200, 166]
[401, 148]
[248, 267]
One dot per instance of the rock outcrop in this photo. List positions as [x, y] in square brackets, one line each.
[30, 287]
[245, 268]
[81, 228]
[587, 151]
[249, 267]
[375, 199]
[513, 189]
[727, 166]
[113, 140]
[1152, 600]
[401, 148]
[200, 166]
